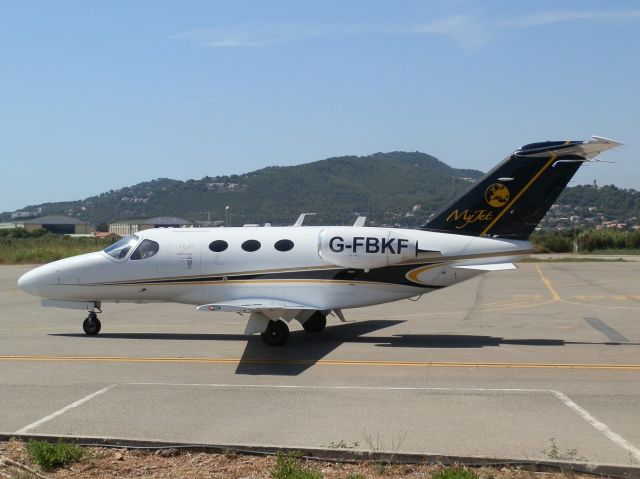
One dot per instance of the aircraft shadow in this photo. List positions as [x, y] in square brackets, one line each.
[301, 352]
[305, 349]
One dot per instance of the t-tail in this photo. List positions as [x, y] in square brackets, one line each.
[511, 199]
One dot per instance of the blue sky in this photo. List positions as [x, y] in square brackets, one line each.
[100, 95]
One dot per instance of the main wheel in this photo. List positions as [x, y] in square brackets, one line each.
[91, 325]
[277, 333]
[316, 323]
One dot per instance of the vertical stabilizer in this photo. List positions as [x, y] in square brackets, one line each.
[512, 198]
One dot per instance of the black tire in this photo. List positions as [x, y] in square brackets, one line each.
[277, 333]
[316, 323]
[91, 326]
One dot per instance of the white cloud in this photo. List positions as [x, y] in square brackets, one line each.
[463, 30]
[545, 18]
[261, 35]
[468, 32]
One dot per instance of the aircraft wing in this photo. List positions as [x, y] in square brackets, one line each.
[488, 267]
[254, 305]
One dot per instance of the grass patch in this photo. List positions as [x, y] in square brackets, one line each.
[50, 456]
[455, 473]
[555, 453]
[46, 248]
[288, 467]
[622, 252]
[22, 475]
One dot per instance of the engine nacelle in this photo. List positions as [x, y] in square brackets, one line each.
[365, 248]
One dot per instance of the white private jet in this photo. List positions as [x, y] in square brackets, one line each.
[277, 274]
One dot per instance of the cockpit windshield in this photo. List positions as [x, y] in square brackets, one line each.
[120, 249]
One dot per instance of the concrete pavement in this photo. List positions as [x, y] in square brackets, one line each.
[499, 366]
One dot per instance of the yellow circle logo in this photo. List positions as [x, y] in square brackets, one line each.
[497, 195]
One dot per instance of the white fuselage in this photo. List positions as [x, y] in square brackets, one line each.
[327, 268]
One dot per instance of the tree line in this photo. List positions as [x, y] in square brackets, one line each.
[585, 240]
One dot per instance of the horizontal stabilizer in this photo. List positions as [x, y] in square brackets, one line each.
[586, 149]
[488, 267]
[250, 305]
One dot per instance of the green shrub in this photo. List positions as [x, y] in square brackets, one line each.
[288, 467]
[455, 473]
[49, 456]
[588, 240]
[552, 241]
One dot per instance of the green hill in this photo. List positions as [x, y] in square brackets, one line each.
[622, 204]
[385, 187]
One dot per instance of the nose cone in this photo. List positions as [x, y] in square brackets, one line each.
[29, 282]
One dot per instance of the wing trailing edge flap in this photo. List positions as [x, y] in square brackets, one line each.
[488, 267]
[258, 305]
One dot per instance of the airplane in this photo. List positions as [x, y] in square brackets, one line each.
[278, 274]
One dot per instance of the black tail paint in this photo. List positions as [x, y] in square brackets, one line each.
[511, 199]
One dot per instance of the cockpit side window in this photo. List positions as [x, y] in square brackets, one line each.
[120, 249]
[147, 249]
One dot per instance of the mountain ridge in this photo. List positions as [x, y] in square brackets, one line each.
[385, 187]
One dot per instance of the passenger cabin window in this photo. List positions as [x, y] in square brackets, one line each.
[283, 245]
[147, 249]
[251, 245]
[218, 246]
[120, 249]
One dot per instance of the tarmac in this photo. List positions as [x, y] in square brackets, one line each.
[538, 363]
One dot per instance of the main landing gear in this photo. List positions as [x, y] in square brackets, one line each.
[276, 334]
[91, 325]
[316, 323]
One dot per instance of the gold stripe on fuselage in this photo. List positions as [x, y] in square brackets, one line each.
[413, 274]
[226, 278]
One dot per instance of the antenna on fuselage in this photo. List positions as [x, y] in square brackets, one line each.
[300, 219]
[360, 221]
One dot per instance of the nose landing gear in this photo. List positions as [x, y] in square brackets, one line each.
[91, 325]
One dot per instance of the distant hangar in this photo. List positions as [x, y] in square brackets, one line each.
[65, 225]
[129, 227]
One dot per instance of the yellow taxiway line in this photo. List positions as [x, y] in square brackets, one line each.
[323, 362]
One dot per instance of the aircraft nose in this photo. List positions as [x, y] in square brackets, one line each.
[29, 282]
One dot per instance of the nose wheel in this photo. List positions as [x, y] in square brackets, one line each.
[91, 325]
